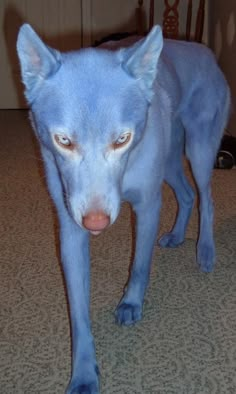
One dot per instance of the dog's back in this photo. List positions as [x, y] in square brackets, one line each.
[194, 82]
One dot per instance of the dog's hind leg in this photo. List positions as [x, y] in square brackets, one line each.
[204, 125]
[202, 159]
[202, 140]
[175, 177]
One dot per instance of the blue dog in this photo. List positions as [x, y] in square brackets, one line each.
[112, 125]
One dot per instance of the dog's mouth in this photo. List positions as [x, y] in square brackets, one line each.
[95, 232]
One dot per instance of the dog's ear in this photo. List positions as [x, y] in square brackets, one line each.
[141, 60]
[38, 61]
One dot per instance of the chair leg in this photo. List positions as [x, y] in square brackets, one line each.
[200, 21]
[189, 20]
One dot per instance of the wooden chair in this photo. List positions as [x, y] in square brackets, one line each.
[171, 19]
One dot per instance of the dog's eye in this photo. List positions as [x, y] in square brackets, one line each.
[63, 141]
[122, 140]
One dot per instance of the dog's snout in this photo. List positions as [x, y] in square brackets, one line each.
[96, 221]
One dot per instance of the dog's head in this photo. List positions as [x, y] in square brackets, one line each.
[89, 109]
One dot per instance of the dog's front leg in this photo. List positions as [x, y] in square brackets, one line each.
[75, 261]
[129, 310]
[76, 267]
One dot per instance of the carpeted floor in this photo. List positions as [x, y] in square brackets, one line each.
[186, 342]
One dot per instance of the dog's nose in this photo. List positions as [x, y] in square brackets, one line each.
[95, 222]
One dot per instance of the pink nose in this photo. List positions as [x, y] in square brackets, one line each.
[96, 221]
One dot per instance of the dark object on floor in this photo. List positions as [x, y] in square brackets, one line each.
[226, 157]
[113, 37]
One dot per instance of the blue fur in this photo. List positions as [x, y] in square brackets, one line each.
[171, 96]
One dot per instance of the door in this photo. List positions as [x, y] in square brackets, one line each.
[57, 21]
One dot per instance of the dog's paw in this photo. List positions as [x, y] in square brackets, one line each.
[84, 389]
[86, 385]
[206, 257]
[128, 314]
[170, 240]
[90, 388]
